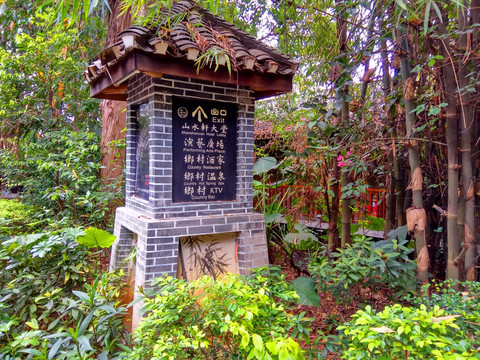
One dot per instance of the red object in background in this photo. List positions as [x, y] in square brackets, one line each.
[371, 203]
[147, 180]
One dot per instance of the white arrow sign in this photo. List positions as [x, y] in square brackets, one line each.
[200, 112]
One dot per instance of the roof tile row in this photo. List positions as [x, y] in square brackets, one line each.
[188, 30]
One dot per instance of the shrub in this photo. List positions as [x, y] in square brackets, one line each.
[365, 264]
[465, 304]
[406, 333]
[59, 173]
[16, 218]
[207, 319]
[53, 302]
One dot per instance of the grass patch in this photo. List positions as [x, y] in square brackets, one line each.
[17, 218]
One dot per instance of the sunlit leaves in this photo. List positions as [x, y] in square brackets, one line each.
[41, 83]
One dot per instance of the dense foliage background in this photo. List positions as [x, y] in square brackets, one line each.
[385, 96]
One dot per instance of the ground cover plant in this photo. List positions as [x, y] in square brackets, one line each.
[17, 218]
[365, 265]
[375, 319]
[59, 174]
[463, 305]
[55, 304]
[231, 318]
[407, 333]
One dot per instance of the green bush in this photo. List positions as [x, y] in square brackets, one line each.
[466, 304]
[207, 319]
[17, 218]
[406, 333]
[59, 172]
[53, 302]
[365, 264]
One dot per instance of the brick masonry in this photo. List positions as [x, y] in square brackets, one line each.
[155, 226]
[158, 94]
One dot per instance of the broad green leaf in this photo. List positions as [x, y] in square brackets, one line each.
[81, 295]
[401, 4]
[86, 322]
[264, 164]
[33, 352]
[54, 350]
[257, 342]
[269, 218]
[307, 291]
[96, 238]
[84, 343]
[399, 233]
[245, 337]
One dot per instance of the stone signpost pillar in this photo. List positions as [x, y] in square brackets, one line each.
[189, 151]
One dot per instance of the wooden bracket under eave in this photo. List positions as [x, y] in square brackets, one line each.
[153, 74]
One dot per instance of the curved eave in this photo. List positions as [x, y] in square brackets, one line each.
[112, 83]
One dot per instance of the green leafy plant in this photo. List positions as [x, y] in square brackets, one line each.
[16, 218]
[465, 304]
[54, 303]
[365, 264]
[94, 237]
[406, 333]
[59, 173]
[207, 319]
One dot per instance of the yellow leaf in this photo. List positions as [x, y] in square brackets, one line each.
[443, 318]
[382, 330]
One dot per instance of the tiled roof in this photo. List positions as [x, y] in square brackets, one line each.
[193, 34]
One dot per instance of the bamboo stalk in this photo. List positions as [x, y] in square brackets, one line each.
[466, 126]
[413, 152]
[449, 84]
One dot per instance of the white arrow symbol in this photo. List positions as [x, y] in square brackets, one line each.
[200, 112]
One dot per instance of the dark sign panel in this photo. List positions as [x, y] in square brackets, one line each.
[142, 153]
[204, 150]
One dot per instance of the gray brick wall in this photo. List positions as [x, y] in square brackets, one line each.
[158, 94]
[157, 240]
[155, 226]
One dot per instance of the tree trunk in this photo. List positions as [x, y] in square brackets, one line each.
[466, 126]
[448, 70]
[390, 198]
[334, 209]
[346, 237]
[423, 259]
[113, 112]
[344, 113]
